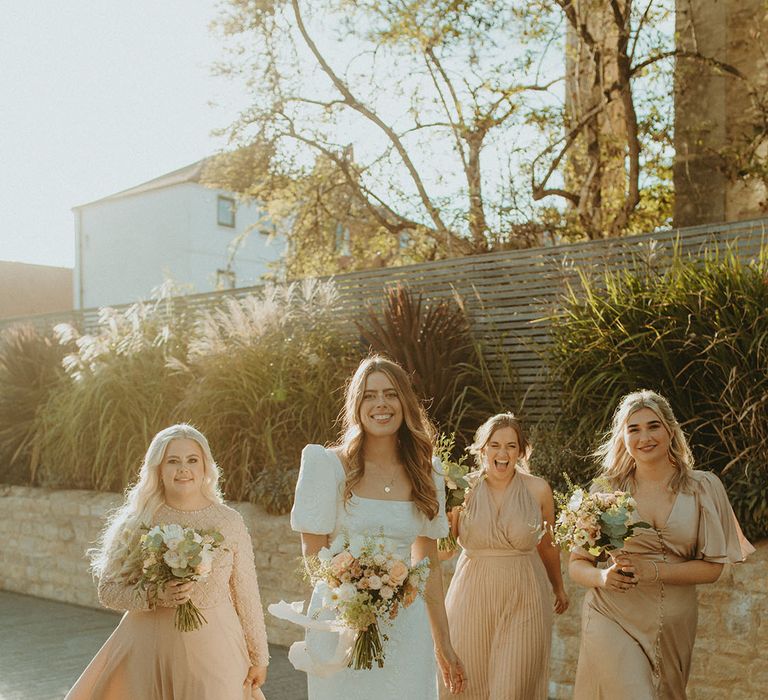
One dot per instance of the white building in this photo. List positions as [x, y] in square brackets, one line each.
[170, 227]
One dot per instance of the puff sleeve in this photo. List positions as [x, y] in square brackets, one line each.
[720, 539]
[438, 526]
[317, 492]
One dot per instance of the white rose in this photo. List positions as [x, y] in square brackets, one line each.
[155, 531]
[386, 592]
[172, 535]
[576, 499]
[374, 582]
[379, 559]
[346, 591]
[174, 559]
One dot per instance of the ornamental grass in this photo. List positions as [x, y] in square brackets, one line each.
[266, 377]
[97, 425]
[696, 332]
[30, 369]
[434, 343]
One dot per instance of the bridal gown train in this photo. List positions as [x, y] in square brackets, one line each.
[409, 668]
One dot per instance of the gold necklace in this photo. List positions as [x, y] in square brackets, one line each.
[387, 484]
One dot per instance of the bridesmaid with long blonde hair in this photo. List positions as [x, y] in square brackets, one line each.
[640, 611]
[499, 602]
[147, 656]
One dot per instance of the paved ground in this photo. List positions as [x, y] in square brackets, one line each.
[45, 645]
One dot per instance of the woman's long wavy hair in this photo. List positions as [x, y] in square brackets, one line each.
[485, 432]
[415, 436]
[144, 498]
[618, 466]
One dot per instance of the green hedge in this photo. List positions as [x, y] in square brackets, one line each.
[697, 333]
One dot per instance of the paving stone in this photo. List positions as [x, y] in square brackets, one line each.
[45, 645]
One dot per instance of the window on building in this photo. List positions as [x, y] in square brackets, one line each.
[225, 211]
[225, 279]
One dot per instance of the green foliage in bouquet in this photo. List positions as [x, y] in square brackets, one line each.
[30, 369]
[266, 375]
[456, 483]
[696, 332]
[600, 522]
[172, 553]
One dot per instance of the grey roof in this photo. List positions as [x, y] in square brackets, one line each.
[189, 173]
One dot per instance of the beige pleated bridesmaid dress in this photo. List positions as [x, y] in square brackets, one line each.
[147, 658]
[499, 602]
[638, 645]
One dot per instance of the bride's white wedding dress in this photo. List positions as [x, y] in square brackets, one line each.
[409, 671]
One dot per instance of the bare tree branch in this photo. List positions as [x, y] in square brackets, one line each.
[359, 107]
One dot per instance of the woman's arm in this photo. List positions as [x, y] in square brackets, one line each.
[450, 665]
[550, 555]
[244, 589]
[312, 544]
[684, 573]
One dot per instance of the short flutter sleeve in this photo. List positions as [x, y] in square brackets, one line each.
[720, 539]
[317, 492]
[438, 526]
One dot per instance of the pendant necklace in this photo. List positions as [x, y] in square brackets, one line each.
[388, 484]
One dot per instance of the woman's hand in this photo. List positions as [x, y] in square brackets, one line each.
[451, 669]
[561, 601]
[174, 593]
[257, 676]
[613, 579]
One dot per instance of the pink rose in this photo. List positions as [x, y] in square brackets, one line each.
[341, 562]
[398, 572]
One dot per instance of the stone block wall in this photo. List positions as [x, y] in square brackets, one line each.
[45, 533]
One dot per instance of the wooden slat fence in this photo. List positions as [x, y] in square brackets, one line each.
[509, 294]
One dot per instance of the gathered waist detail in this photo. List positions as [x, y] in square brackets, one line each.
[482, 553]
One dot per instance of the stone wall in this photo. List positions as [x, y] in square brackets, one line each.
[45, 533]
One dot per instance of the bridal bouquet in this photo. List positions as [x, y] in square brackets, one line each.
[456, 482]
[173, 553]
[598, 522]
[366, 584]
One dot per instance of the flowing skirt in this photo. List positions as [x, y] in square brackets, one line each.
[147, 657]
[500, 617]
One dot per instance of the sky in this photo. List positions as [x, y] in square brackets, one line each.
[97, 96]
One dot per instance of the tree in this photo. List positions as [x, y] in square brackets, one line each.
[427, 92]
[409, 130]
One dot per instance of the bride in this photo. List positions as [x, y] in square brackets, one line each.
[379, 478]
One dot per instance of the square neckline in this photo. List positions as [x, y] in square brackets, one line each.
[363, 498]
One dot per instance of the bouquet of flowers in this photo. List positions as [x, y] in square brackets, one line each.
[456, 482]
[173, 553]
[598, 522]
[366, 584]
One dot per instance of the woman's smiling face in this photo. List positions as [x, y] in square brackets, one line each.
[381, 412]
[645, 437]
[182, 470]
